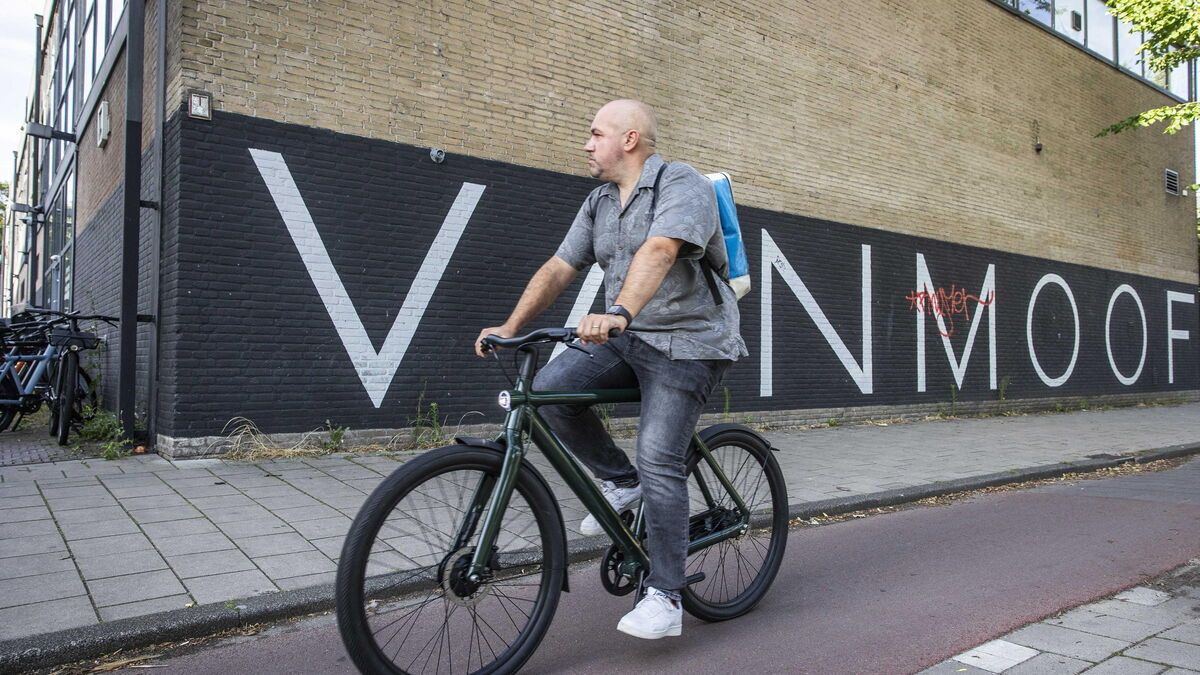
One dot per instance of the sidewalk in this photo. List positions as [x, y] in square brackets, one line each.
[89, 544]
[1146, 630]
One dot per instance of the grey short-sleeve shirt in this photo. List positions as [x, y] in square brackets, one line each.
[682, 320]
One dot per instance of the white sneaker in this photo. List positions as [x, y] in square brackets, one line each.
[656, 616]
[620, 498]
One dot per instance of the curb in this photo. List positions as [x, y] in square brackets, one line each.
[74, 644]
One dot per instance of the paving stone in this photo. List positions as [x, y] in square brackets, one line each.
[158, 501]
[27, 528]
[295, 564]
[90, 515]
[302, 513]
[1102, 624]
[193, 543]
[1121, 665]
[106, 528]
[143, 608]
[8, 491]
[165, 514]
[46, 617]
[134, 587]
[20, 502]
[330, 546]
[274, 544]
[42, 543]
[178, 528]
[211, 489]
[23, 514]
[1168, 652]
[52, 586]
[1181, 671]
[255, 528]
[88, 502]
[287, 501]
[68, 492]
[1049, 664]
[307, 581]
[1067, 642]
[209, 563]
[207, 504]
[953, 668]
[1188, 632]
[237, 513]
[279, 489]
[149, 490]
[117, 564]
[33, 565]
[234, 585]
[1140, 595]
[996, 656]
[325, 527]
[119, 543]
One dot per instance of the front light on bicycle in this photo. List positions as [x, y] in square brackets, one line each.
[505, 400]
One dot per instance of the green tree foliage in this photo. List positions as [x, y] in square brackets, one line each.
[4, 197]
[1173, 29]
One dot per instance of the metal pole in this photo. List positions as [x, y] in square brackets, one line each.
[35, 196]
[134, 48]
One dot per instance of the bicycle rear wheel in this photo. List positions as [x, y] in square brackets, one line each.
[737, 571]
[404, 602]
[8, 391]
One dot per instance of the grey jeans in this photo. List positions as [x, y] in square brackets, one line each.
[673, 393]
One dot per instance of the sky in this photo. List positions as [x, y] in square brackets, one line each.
[17, 37]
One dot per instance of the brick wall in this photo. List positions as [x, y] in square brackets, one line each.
[253, 334]
[906, 116]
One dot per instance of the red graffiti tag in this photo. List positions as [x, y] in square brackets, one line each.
[946, 305]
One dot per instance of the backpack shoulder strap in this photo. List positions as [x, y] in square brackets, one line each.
[709, 275]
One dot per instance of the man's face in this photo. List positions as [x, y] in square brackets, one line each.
[604, 147]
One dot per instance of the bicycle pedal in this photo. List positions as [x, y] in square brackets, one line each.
[694, 579]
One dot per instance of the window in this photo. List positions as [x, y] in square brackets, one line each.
[1068, 19]
[1179, 81]
[1100, 29]
[1128, 41]
[1038, 10]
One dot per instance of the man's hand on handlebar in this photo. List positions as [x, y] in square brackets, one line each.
[499, 331]
[596, 328]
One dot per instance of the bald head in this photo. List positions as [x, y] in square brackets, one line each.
[627, 114]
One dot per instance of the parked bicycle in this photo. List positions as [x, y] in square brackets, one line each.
[456, 561]
[41, 366]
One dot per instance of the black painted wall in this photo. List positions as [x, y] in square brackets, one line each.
[249, 336]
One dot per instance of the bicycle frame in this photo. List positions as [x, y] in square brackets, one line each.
[31, 380]
[523, 419]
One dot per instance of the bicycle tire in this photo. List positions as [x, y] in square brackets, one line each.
[67, 383]
[710, 599]
[51, 394]
[8, 413]
[417, 478]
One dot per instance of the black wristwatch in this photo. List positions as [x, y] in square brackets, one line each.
[617, 310]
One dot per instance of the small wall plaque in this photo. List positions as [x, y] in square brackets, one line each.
[200, 105]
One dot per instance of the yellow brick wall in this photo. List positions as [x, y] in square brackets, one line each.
[905, 115]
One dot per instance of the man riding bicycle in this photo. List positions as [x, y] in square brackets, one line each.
[663, 258]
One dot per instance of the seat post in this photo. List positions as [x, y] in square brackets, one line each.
[528, 366]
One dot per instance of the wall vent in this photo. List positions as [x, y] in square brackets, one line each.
[1172, 181]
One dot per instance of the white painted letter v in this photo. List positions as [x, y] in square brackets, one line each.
[375, 369]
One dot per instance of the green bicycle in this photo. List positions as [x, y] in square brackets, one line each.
[456, 561]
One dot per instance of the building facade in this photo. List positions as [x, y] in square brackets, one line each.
[929, 214]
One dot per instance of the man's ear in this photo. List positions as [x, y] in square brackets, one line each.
[632, 138]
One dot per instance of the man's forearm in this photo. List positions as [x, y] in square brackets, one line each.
[646, 272]
[546, 285]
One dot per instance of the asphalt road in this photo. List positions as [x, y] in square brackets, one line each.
[890, 593]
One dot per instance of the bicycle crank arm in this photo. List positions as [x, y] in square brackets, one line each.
[694, 579]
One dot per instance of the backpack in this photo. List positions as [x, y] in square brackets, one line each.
[739, 263]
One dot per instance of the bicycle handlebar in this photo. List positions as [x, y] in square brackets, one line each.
[540, 335]
[73, 315]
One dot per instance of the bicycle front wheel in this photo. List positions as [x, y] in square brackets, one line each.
[68, 380]
[404, 601]
[737, 571]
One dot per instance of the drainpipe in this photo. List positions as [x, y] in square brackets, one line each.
[11, 245]
[160, 105]
[134, 54]
[35, 196]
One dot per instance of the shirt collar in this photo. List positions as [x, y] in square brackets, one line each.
[649, 174]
